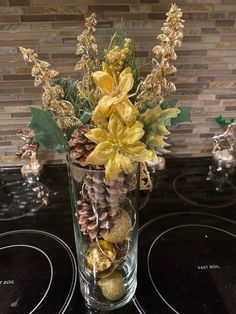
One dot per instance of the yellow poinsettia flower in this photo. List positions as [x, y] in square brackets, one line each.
[116, 98]
[118, 147]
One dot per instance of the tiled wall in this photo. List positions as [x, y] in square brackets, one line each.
[206, 77]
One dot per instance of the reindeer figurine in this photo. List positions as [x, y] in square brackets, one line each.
[224, 156]
[28, 149]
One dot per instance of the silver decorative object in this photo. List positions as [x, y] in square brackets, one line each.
[29, 148]
[156, 164]
[223, 156]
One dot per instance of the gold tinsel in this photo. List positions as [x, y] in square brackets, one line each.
[157, 84]
[61, 110]
[116, 58]
[87, 50]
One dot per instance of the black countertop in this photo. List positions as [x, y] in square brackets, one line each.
[187, 262]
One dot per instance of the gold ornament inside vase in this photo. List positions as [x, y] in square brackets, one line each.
[120, 231]
[101, 257]
[113, 286]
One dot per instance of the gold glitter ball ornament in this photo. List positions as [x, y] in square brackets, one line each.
[120, 231]
[112, 286]
[100, 257]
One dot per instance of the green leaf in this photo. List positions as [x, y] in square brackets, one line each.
[183, 116]
[167, 104]
[48, 134]
[85, 117]
[155, 124]
[222, 122]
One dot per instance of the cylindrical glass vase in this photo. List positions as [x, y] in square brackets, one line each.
[106, 234]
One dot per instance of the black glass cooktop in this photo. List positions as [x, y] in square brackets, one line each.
[198, 189]
[188, 264]
[34, 265]
[187, 240]
[19, 198]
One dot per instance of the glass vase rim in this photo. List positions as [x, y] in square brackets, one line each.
[82, 168]
[86, 168]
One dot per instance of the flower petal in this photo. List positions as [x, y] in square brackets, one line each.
[126, 164]
[105, 102]
[100, 155]
[138, 152]
[126, 83]
[98, 135]
[126, 111]
[99, 118]
[133, 134]
[103, 81]
[113, 167]
[116, 126]
[125, 71]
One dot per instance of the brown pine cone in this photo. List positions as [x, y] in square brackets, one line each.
[95, 221]
[80, 145]
[98, 210]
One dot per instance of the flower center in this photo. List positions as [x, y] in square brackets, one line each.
[116, 91]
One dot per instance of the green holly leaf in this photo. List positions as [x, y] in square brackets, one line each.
[183, 116]
[155, 125]
[167, 104]
[47, 133]
[222, 122]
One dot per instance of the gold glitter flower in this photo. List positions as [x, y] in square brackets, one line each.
[61, 110]
[118, 148]
[87, 50]
[115, 97]
[157, 85]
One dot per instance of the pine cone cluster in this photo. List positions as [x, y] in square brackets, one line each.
[98, 210]
[80, 145]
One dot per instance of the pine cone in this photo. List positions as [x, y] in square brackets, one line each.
[80, 145]
[99, 207]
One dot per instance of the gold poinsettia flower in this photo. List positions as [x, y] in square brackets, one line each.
[118, 147]
[116, 98]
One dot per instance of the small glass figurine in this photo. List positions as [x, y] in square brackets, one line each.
[29, 149]
[223, 148]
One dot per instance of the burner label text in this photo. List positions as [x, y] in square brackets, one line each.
[208, 267]
[6, 282]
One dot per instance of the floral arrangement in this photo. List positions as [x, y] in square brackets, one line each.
[113, 117]
[108, 121]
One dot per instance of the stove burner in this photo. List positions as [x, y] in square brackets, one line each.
[9, 289]
[195, 189]
[19, 198]
[46, 284]
[190, 265]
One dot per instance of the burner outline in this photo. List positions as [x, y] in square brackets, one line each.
[196, 204]
[134, 300]
[165, 232]
[30, 210]
[50, 264]
[68, 250]
[137, 305]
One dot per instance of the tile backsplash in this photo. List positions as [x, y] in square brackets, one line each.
[205, 80]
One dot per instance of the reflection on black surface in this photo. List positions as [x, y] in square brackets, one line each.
[37, 273]
[196, 270]
[23, 285]
[191, 265]
[197, 190]
[19, 198]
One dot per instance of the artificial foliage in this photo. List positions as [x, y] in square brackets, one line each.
[128, 115]
[223, 122]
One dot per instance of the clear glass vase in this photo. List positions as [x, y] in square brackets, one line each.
[106, 234]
